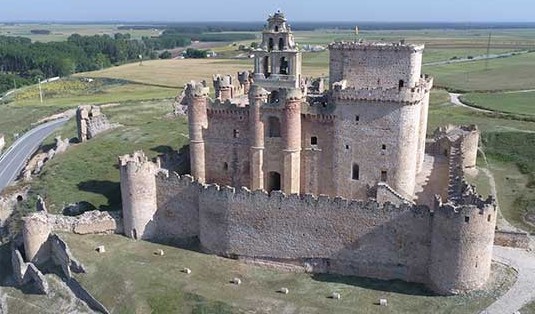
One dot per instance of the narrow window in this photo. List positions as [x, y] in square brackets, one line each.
[281, 44]
[347, 146]
[266, 66]
[466, 219]
[276, 28]
[236, 133]
[383, 146]
[401, 84]
[357, 118]
[274, 127]
[271, 44]
[355, 174]
[488, 218]
[283, 66]
[313, 140]
[225, 166]
[384, 176]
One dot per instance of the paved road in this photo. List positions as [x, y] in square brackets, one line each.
[13, 160]
[523, 290]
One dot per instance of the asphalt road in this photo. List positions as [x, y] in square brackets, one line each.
[13, 160]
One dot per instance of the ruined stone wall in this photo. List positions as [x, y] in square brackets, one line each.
[35, 232]
[62, 256]
[371, 65]
[389, 242]
[90, 121]
[227, 143]
[511, 239]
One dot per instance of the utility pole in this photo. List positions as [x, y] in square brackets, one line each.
[488, 53]
[40, 91]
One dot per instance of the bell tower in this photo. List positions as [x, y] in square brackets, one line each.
[277, 61]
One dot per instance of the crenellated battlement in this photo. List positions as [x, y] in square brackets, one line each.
[380, 46]
[411, 96]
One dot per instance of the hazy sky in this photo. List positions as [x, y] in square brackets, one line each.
[256, 10]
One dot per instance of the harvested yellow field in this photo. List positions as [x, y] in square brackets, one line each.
[177, 72]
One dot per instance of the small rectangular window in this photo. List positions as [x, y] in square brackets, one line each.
[236, 133]
[347, 146]
[355, 174]
[314, 140]
[357, 118]
[466, 219]
[488, 218]
[384, 176]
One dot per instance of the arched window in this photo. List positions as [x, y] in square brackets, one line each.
[314, 140]
[274, 127]
[281, 44]
[270, 44]
[274, 97]
[276, 28]
[283, 66]
[355, 173]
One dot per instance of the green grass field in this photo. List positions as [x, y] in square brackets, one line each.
[25, 108]
[130, 278]
[516, 103]
[60, 32]
[88, 172]
[513, 73]
[529, 308]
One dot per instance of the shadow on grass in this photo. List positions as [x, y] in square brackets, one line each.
[396, 286]
[111, 190]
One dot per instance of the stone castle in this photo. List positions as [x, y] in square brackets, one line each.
[342, 181]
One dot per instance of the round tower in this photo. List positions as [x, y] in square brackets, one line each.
[257, 97]
[197, 96]
[138, 193]
[469, 145]
[461, 247]
[291, 140]
[35, 233]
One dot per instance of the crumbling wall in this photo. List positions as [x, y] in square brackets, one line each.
[28, 273]
[512, 239]
[90, 121]
[62, 256]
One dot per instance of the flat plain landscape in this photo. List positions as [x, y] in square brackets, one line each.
[144, 96]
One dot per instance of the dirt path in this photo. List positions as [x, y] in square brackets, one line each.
[522, 292]
[455, 99]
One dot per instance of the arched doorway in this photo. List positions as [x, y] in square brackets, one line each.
[274, 181]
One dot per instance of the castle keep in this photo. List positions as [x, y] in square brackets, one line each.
[342, 181]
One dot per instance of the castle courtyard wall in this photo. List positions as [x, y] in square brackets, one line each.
[389, 242]
[177, 201]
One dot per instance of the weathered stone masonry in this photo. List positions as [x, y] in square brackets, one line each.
[448, 247]
[365, 138]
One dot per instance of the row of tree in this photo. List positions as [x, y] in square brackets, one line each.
[23, 62]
